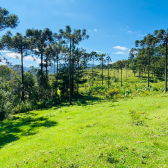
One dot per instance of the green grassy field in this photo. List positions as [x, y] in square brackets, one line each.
[128, 79]
[126, 133]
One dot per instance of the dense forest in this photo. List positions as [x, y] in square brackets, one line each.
[74, 68]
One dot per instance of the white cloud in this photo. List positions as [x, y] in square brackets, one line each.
[36, 49]
[9, 54]
[13, 55]
[2, 62]
[98, 51]
[5, 51]
[119, 53]
[120, 48]
[112, 62]
[30, 58]
[94, 30]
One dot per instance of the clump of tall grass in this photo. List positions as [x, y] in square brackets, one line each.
[137, 117]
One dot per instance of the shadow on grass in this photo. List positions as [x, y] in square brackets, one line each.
[85, 100]
[81, 100]
[25, 125]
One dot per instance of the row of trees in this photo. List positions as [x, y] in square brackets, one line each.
[70, 62]
[51, 48]
[151, 54]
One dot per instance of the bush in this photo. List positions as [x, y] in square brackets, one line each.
[23, 107]
[114, 79]
[137, 117]
[112, 92]
[5, 104]
[97, 89]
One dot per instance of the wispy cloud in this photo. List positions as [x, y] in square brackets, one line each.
[133, 32]
[141, 34]
[13, 55]
[120, 48]
[119, 53]
[18, 56]
[2, 62]
[99, 51]
[112, 62]
[95, 30]
[130, 32]
[30, 58]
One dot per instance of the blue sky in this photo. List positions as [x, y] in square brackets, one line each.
[113, 26]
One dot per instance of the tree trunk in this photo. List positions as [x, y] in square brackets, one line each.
[102, 70]
[121, 76]
[92, 70]
[41, 62]
[57, 76]
[108, 73]
[22, 75]
[148, 66]
[70, 87]
[85, 71]
[54, 66]
[78, 76]
[166, 69]
[46, 69]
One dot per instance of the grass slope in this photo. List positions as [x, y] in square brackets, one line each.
[95, 135]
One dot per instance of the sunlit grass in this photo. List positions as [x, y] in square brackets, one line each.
[96, 135]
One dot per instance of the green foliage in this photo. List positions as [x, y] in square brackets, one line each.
[112, 92]
[96, 89]
[29, 83]
[6, 107]
[23, 107]
[63, 77]
[138, 117]
[7, 20]
[114, 79]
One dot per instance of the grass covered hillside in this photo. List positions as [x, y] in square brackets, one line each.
[125, 133]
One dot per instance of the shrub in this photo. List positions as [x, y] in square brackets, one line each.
[23, 107]
[137, 117]
[96, 89]
[114, 79]
[112, 92]
[5, 104]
